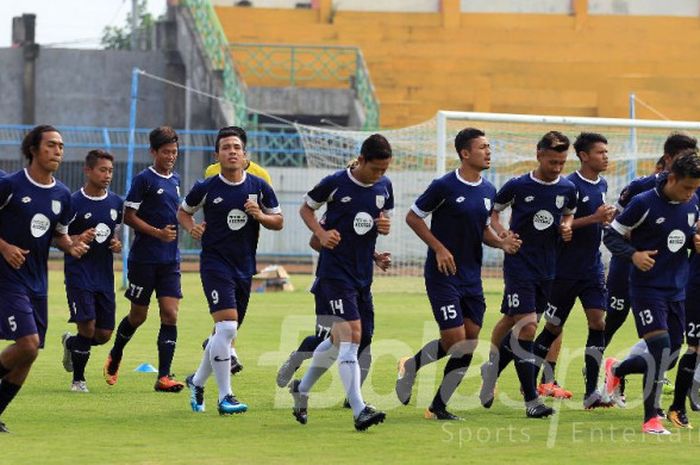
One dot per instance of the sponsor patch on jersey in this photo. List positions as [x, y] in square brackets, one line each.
[363, 223]
[56, 206]
[102, 232]
[675, 240]
[236, 219]
[380, 199]
[542, 220]
[559, 201]
[113, 214]
[39, 225]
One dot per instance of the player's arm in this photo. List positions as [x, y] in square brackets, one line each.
[186, 220]
[443, 257]
[604, 215]
[565, 228]
[166, 234]
[273, 221]
[327, 239]
[617, 238]
[510, 242]
[66, 244]
[12, 254]
[86, 236]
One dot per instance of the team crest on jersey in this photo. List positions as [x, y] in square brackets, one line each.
[56, 207]
[380, 201]
[559, 201]
[113, 214]
[217, 200]
[691, 219]
[26, 199]
[529, 198]
[177, 190]
[487, 204]
[87, 215]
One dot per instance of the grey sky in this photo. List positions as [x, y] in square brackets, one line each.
[70, 23]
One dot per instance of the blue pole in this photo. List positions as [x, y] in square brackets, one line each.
[632, 165]
[130, 167]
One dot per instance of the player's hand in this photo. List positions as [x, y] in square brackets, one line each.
[445, 262]
[252, 208]
[197, 231]
[115, 245]
[566, 232]
[696, 242]
[605, 214]
[329, 239]
[168, 233]
[382, 260]
[643, 259]
[88, 235]
[511, 243]
[77, 249]
[14, 256]
[383, 224]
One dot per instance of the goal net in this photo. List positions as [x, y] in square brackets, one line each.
[426, 151]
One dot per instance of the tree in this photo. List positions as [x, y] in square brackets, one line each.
[119, 38]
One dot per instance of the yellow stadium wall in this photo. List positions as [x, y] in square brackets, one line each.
[537, 64]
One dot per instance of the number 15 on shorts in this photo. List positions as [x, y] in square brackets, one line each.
[449, 312]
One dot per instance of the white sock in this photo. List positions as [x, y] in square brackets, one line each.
[324, 356]
[349, 369]
[233, 352]
[640, 348]
[204, 371]
[220, 355]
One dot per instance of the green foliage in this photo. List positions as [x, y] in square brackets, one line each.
[129, 423]
[119, 38]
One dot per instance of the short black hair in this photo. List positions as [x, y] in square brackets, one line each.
[376, 147]
[97, 154]
[32, 139]
[586, 140]
[231, 131]
[162, 136]
[686, 164]
[463, 139]
[677, 141]
[554, 140]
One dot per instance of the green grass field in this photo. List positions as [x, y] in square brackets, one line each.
[131, 424]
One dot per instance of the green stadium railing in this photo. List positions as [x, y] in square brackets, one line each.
[309, 66]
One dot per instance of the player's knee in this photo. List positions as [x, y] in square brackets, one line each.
[597, 324]
[137, 317]
[102, 337]
[168, 316]
[528, 331]
[28, 347]
[554, 329]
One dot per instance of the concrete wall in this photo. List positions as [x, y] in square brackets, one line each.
[511, 6]
[11, 71]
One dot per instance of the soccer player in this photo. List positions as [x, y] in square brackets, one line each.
[251, 167]
[90, 279]
[460, 203]
[34, 209]
[154, 259]
[617, 282]
[579, 270]
[655, 232]
[235, 205]
[542, 204]
[359, 202]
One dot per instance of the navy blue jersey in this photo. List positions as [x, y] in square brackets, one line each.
[3, 173]
[652, 222]
[694, 271]
[637, 186]
[155, 198]
[29, 215]
[230, 238]
[581, 258]
[94, 271]
[351, 208]
[460, 211]
[537, 207]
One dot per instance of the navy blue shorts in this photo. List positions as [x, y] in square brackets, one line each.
[522, 297]
[87, 305]
[23, 314]
[144, 278]
[337, 299]
[692, 315]
[226, 292]
[652, 314]
[564, 293]
[618, 285]
[452, 305]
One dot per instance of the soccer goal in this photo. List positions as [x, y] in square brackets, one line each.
[426, 151]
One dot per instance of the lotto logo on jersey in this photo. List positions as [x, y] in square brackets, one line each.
[236, 219]
[39, 225]
[362, 223]
[542, 220]
[102, 232]
[675, 240]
